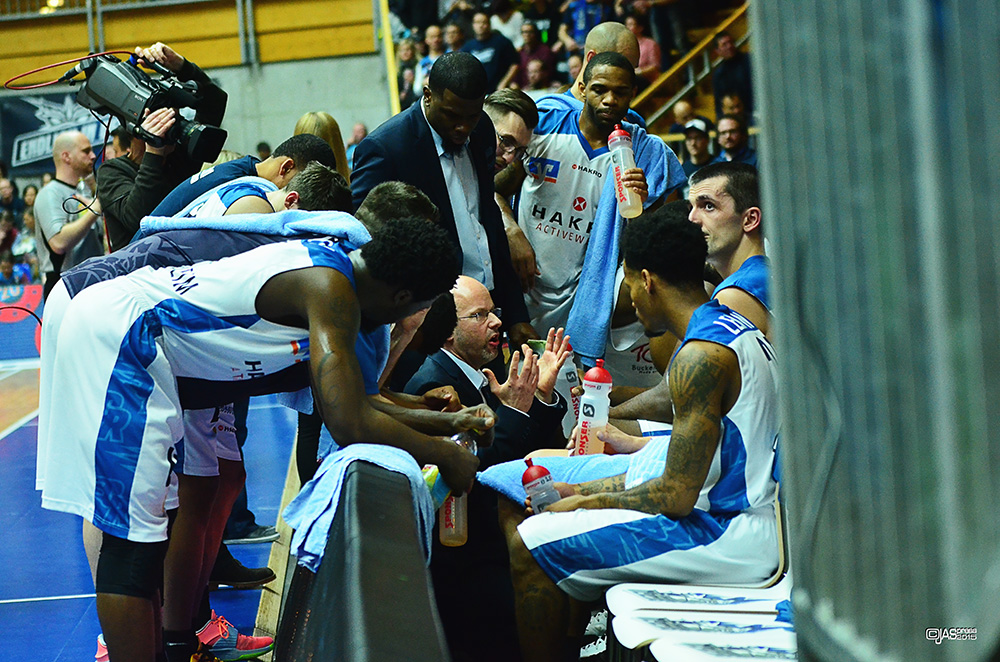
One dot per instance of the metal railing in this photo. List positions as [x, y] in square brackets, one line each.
[686, 65]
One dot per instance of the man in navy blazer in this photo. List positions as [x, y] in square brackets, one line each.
[445, 145]
[472, 583]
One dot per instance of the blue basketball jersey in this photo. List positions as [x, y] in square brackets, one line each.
[204, 181]
[214, 202]
[751, 277]
[740, 477]
[204, 318]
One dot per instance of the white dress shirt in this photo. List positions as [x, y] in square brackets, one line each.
[463, 193]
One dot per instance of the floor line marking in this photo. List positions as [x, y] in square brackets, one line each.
[19, 424]
[47, 599]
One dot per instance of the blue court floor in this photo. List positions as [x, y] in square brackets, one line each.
[47, 611]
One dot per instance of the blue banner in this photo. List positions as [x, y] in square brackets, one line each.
[29, 125]
[20, 332]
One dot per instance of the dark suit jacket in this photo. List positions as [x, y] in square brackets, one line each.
[402, 149]
[472, 582]
[515, 435]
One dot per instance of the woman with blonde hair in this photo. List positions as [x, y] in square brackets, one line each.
[323, 125]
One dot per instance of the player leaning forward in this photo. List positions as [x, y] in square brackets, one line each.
[134, 351]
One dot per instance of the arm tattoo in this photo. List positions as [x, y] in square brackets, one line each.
[612, 484]
[698, 380]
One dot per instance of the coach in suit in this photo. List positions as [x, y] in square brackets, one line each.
[472, 583]
[445, 145]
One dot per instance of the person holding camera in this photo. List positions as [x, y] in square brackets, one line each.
[131, 186]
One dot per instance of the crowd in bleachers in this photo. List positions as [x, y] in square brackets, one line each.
[495, 97]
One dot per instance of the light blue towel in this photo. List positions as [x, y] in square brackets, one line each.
[505, 478]
[590, 317]
[287, 223]
[311, 512]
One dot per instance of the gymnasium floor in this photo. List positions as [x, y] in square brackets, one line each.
[47, 609]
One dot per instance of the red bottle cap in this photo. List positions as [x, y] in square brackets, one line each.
[619, 132]
[533, 472]
[598, 374]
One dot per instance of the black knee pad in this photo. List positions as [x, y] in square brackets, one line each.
[130, 568]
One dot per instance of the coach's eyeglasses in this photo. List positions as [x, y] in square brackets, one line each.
[482, 315]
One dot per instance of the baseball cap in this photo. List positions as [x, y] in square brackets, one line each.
[698, 125]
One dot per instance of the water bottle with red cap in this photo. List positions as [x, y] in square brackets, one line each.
[594, 406]
[453, 516]
[622, 159]
[539, 486]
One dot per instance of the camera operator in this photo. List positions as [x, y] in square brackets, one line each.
[131, 186]
[66, 233]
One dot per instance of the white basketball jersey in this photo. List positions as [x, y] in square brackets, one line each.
[556, 208]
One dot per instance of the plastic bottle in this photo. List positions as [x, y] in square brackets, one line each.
[453, 517]
[594, 406]
[622, 158]
[538, 485]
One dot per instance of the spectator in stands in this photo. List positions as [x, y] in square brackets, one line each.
[325, 126]
[30, 191]
[732, 75]
[494, 50]
[574, 68]
[732, 104]
[472, 582]
[733, 139]
[697, 140]
[406, 72]
[9, 200]
[8, 233]
[434, 39]
[445, 147]
[659, 521]
[579, 18]
[507, 20]
[358, 133]
[533, 49]
[648, 68]
[10, 276]
[263, 151]
[407, 92]
[684, 113]
[454, 37]
[24, 245]
[669, 18]
[538, 83]
[545, 16]
[47, 177]
[66, 238]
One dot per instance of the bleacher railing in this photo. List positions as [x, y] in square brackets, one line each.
[651, 97]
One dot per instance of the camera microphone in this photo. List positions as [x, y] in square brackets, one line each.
[80, 67]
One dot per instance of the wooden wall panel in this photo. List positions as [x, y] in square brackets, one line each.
[206, 33]
[27, 45]
[316, 42]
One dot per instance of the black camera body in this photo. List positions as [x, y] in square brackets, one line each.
[125, 91]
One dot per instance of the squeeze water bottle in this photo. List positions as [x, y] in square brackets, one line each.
[538, 485]
[622, 158]
[594, 406]
[453, 517]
